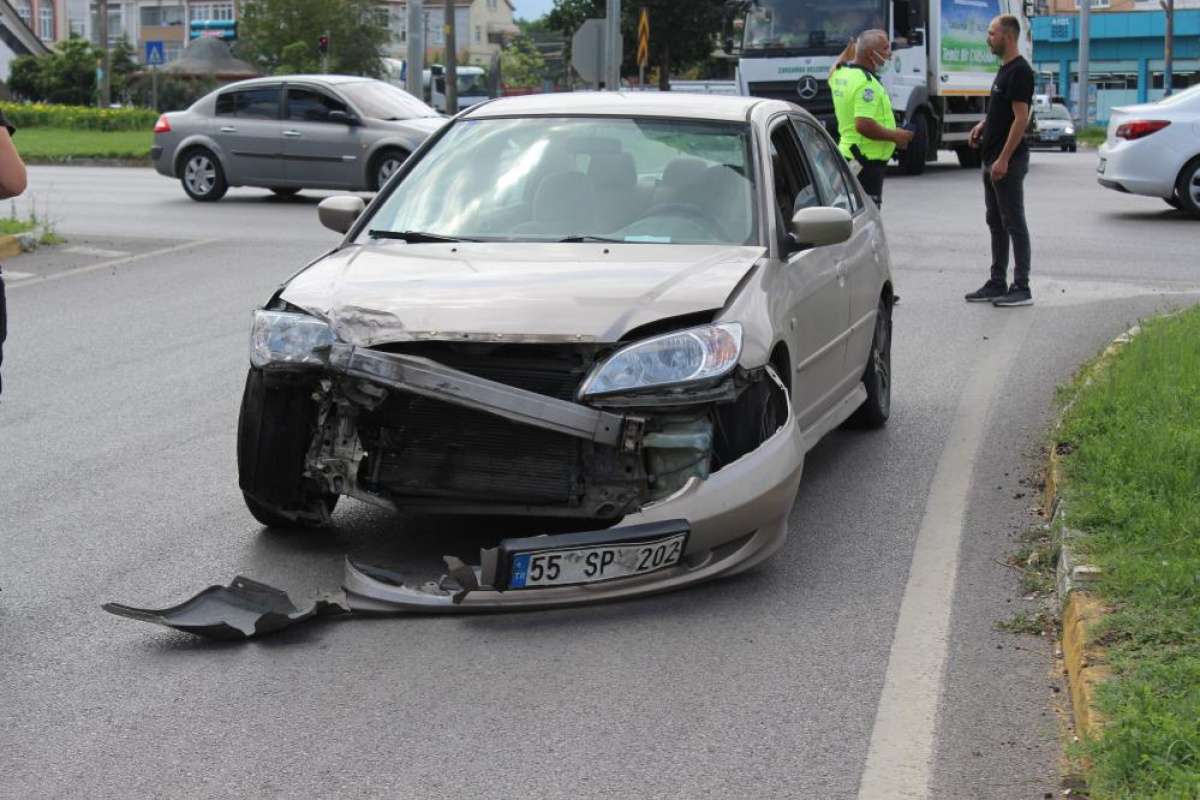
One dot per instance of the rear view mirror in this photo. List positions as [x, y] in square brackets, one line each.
[339, 213]
[816, 227]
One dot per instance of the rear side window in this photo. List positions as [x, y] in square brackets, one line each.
[306, 105]
[250, 103]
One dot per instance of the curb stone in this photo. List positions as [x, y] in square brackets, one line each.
[1081, 610]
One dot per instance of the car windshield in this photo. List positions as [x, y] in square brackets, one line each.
[1053, 112]
[379, 100]
[579, 178]
[812, 25]
[472, 84]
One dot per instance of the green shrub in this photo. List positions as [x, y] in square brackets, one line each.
[45, 115]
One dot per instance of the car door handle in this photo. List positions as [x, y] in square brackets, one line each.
[228, 129]
[292, 134]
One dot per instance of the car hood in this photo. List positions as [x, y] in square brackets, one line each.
[1052, 124]
[423, 125]
[388, 291]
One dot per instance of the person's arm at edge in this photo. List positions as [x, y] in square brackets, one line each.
[873, 130]
[12, 169]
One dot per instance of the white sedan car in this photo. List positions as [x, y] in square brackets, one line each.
[1154, 149]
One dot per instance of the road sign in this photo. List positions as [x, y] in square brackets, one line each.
[643, 51]
[588, 49]
[156, 54]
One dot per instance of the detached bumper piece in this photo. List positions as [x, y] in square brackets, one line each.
[246, 609]
[242, 610]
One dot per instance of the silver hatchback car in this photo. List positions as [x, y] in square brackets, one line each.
[292, 133]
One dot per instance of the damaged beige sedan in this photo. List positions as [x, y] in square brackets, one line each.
[622, 317]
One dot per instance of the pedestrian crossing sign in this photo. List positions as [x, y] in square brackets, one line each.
[156, 54]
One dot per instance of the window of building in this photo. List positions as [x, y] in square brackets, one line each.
[46, 22]
[158, 16]
[210, 11]
[478, 33]
[25, 11]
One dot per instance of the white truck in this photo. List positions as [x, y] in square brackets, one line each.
[472, 83]
[939, 79]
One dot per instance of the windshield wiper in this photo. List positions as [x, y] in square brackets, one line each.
[414, 237]
[588, 238]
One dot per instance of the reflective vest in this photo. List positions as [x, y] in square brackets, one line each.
[858, 93]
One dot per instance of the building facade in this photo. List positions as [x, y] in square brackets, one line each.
[481, 28]
[1126, 63]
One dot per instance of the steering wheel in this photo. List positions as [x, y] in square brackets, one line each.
[687, 211]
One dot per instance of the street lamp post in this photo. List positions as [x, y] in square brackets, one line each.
[1085, 41]
[450, 62]
[415, 48]
[1169, 48]
[105, 80]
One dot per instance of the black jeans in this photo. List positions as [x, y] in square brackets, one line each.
[871, 178]
[1005, 200]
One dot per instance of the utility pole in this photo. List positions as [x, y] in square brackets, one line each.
[612, 47]
[451, 61]
[105, 86]
[1085, 42]
[415, 51]
[1169, 48]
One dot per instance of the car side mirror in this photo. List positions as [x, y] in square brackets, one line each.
[339, 213]
[820, 226]
[344, 117]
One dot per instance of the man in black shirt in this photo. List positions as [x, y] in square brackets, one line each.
[1001, 135]
[12, 183]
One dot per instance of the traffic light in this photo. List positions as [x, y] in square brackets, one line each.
[323, 45]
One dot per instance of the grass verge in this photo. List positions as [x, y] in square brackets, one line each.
[62, 144]
[1093, 135]
[1132, 485]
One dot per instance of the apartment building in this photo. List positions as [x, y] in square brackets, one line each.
[482, 28]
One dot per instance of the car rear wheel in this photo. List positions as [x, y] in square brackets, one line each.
[203, 179]
[275, 428]
[386, 165]
[912, 158]
[284, 191]
[1187, 188]
[877, 378]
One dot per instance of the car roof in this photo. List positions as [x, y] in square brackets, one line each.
[328, 79]
[682, 105]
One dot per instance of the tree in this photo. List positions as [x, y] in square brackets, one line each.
[280, 36]
[681, 34]
[122, 66]
[521, 64]
[25, 78]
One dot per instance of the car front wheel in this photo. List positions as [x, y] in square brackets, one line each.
[877, 378]
[203, 179]
[275, 429]
[387, 164]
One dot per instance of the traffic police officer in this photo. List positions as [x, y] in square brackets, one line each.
[867, 129]
[12, 183]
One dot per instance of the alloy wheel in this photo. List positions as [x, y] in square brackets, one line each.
[200, 174]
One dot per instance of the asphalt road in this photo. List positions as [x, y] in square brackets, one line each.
[122, 380]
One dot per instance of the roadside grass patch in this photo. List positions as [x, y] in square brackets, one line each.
[1132, 487]
[41, 226]
[1093, 135]
[64, 144]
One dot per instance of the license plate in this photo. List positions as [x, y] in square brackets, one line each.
[1050, 137]
[1103, 164]
[572, 566]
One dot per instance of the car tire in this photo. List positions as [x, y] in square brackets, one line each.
[877, 378]
[202, 176]
[275, 428]
[969, 157]
[285, 191]
[1173, 202]
[1187, 188]
[1072, 148]
[386, 163]
[912, 158]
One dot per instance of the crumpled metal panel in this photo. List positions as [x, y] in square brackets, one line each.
[242, 610]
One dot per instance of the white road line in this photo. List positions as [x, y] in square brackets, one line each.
[36, 279]
[900, 759]
[12, 275]
[96, 251]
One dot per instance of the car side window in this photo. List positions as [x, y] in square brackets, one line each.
[250, 103]
[307, 105]
[793, 185]
[830, 169]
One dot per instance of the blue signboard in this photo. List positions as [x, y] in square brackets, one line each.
[156, 54]
[217, 28]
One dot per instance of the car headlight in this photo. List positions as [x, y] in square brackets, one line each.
[688, 356]
[1069, 131]
[285, 339]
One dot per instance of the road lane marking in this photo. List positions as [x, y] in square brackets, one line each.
[96, 251]
[900, 758]
[12, 275]
[17, 284]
